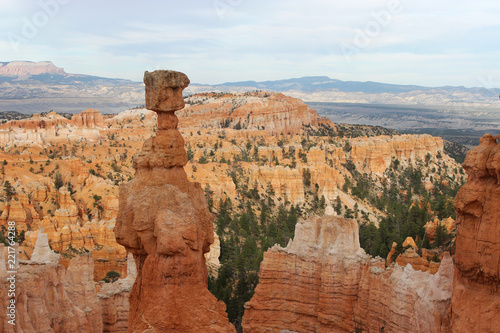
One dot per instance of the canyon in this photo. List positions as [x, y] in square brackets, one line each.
[80, 181]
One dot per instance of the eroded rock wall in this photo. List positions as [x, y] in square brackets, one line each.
[476, 295]
[50, 298]
[324, 282]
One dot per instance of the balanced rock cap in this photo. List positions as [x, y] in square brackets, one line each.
[164, 90]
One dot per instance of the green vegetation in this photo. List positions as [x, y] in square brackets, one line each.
[408, 206]
[111, 277]
[246, 231]
[8, 190]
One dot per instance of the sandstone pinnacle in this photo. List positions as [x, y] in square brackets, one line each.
[164, 220]
[164, 95]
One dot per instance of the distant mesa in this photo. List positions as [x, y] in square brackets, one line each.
[28, 68]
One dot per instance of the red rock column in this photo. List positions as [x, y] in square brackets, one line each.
[475, 302]
[164, 221]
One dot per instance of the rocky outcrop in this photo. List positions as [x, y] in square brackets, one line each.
[212, 257]
[432, 226]
[114, 298]
[324, 282]
[476, 296]
[375, 154]
[50, 298]
[165, 222]
[43, 254]
[272, 112]
[37, 122]
[90, 118]
[420, 262]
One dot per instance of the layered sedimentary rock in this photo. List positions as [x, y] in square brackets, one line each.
[165, 222]
[50, 298]
[324, 282]
[90, 118]
[28, 68]
[375, 154]
[272, 112]
[68, 231]
[476, 296]
[37, 122]
[51, 128]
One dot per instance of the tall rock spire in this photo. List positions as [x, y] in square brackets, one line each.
[475, 303]
[164, 221]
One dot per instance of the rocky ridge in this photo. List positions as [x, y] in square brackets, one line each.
[324, 282]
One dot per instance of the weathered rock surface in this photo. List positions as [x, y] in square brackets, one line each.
[212, 257]
[476, 296]
[375, 154]
[431, 227]
[272, 112]
[42, 254]
[114, 298]
[89, 118]
[50, 298]
[165, 222]
[324, 282]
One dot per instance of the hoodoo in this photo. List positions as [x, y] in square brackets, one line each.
[165, 222]
[475, 303]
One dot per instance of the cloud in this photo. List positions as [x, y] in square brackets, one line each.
[425, 42]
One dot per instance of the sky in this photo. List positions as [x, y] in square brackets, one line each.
[430, 43]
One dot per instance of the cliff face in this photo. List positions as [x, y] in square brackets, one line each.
[27, 68]
[375, 154]
[89, 118]
[165, 222]
[51, 128]
[50, 298]
[476, 297]
[272, 112]
[324, 282]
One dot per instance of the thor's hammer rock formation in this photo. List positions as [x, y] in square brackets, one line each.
[164, 221]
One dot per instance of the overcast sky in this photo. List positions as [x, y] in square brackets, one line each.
[423, 42]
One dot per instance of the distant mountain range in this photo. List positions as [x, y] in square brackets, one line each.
[325, 89]
[31, 87]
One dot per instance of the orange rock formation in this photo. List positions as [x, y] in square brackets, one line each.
[476, 296]
[324, 282]
[431, 227]
[114, 298]
[50, 298]
[273, 112]
[165, 222]
[375, 154]
[89, 118]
